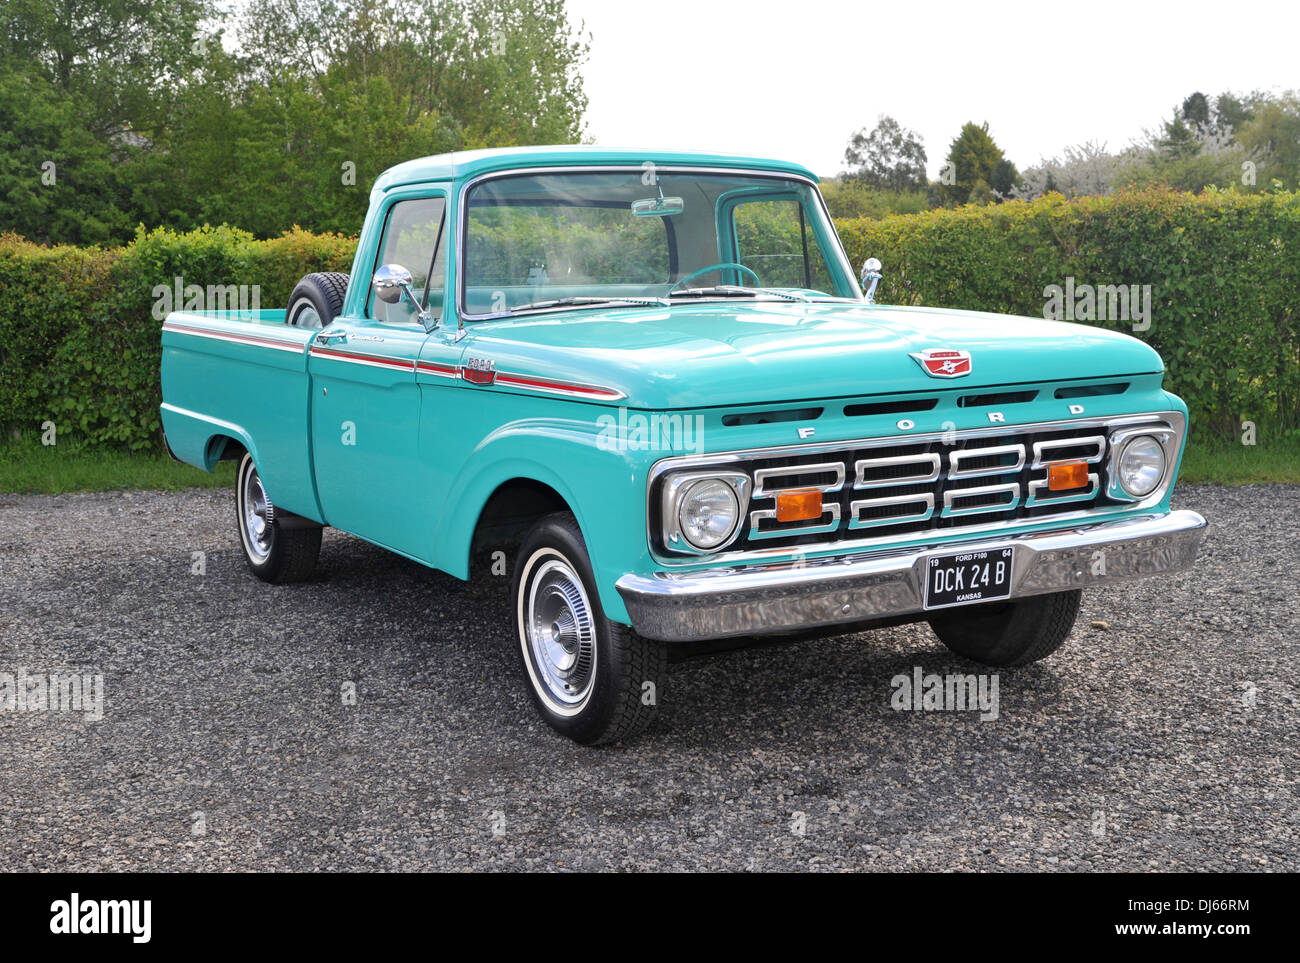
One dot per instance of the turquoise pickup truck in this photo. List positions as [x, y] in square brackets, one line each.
[653, 380]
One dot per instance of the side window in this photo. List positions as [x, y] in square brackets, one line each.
[414, 237]
[776, 242]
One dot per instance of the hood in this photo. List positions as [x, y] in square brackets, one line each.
[703, 355]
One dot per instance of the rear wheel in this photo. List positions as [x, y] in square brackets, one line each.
[1005, 634]
[279, 546]
[593, 680]
[317, 300]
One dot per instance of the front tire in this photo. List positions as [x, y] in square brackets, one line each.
[278, 546]
[1006, 634]
[593, 680]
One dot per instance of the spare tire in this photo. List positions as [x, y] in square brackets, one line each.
[317, 300]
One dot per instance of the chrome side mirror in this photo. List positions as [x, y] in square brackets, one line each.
[390, 282]
[870, 278]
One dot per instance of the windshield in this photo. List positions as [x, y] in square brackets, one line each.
[646, 237]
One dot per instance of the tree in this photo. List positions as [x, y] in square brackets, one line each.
[889, 158]
[123, 60]
[1084, 169]
[139, 104]
[1196, 110]
[1004, 179]
[1272, 133]
[972, 159]
[57, 181]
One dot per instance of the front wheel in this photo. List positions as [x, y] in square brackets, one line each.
[1005, 634]
[593, 680]
[279, 546]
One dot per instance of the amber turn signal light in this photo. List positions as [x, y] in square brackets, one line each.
[798, 506]
[1070, 474]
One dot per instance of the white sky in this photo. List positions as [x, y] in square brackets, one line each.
[793, 80]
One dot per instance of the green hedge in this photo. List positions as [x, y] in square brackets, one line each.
[1224, 270]
[79, 345]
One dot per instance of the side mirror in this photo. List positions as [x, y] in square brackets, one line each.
[870, 278]
[390, 282]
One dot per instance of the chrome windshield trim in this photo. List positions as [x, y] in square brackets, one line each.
[1170, 420]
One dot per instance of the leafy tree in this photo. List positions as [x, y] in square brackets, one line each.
[973, 157]
[1004, 179]
[888, 158]
[1232, 111]
[1084, 169]
[57, 182]
[141, 106]
[1196, 110]
[122, 59]
[1272, 132]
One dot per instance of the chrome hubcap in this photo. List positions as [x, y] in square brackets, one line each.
[561, 633]
[259, 513]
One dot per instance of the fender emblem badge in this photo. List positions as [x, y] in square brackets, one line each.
[480, 371]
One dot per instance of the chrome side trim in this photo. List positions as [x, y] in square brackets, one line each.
[258, 341]
[753, 600]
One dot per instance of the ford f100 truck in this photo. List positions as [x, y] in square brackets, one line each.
[655, 379]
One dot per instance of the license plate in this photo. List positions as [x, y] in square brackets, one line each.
[967, 577]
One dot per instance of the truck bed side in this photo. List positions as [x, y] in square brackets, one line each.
[241, 376]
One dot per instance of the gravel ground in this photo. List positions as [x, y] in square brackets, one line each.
[1162, 737]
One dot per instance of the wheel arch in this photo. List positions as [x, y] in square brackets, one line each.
[221, 448]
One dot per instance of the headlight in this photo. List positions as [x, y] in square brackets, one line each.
[701, 511]
[1141, 465]
[707, 513]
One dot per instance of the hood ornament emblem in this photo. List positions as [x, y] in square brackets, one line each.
[944, 362]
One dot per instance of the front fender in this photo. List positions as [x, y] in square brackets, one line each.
[604, 488]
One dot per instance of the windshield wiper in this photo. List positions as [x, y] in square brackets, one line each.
[717, 291]
[734, 291]
[587, 299]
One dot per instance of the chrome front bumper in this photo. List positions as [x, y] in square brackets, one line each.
[718, 603]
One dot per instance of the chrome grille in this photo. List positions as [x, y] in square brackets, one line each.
[899, 487]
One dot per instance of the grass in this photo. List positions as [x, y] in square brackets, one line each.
[28, 467]
[1272, 460]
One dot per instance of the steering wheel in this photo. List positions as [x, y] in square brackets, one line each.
[713, 267]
